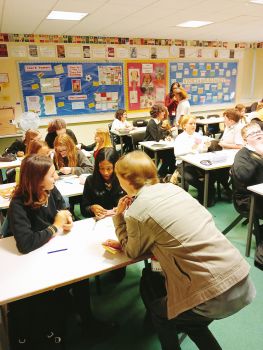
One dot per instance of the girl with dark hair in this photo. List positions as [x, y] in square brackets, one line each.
[102, 190]
[171, 102]
[155, 132]
[58, 127]
[120, 123]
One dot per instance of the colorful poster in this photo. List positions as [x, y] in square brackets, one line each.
[206, 82]
[54, 87]
[146, 84]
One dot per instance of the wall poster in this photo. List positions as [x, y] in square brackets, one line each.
[70, 88]
[206, 82]
[146, 84]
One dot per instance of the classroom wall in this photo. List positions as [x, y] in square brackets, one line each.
[249, 89]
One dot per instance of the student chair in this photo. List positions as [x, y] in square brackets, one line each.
[115, 140]
[200, 127]
[140, 122]
[213, 129]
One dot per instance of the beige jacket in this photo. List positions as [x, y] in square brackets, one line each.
[199, 263]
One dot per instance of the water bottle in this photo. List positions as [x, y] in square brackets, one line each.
[17, 178]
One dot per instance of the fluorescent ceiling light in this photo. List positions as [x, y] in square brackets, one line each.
[257, 1]
[67, 16]
[193, 24]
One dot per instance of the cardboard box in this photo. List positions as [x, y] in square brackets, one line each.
[7, 119]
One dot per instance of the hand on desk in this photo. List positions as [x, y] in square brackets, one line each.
[65, 170]
[63, 220]
[98, 211]
[112, 244]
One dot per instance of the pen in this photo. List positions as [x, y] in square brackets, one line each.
[56, 251]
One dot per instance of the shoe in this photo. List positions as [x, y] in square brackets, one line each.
[53, 341]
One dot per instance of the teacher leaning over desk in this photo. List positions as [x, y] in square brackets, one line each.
[203, 276]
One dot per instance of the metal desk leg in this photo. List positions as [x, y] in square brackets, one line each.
[156, 159]
[250, 224]
[182, 175]
[121, 141]
[4, 341]
[206, 188]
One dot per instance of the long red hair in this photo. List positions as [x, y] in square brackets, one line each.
[66, 142]
[32, 172]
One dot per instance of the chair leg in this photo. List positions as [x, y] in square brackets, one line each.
[232, 225]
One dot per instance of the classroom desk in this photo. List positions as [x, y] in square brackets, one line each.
[26, 275]
[204, 122]
[127, 132]
[8, 165]
[207, 121]
[255, 190]
[157, 146]
[196, 158]
[68, 186]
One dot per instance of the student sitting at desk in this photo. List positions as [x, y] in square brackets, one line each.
[120, 123]
[38, 147]
[232, 138]
[102, 139]
[20, 147]
[102, 192]
[202, 276]
[247, 170]
[68, 159]
[189, 141]
[36, 214]
[58, 127]
[155, 132]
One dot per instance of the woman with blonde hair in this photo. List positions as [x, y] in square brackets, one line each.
[57, 127]
[68, 159]
[183, 106]
[102, 139]
[197, 283]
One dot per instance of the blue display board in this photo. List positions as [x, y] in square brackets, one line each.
[71, 88]
[206, 82]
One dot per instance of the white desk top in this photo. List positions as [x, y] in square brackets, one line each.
[11, 135]
[258, 189]
[157, 146]
[68, 187]
[219, 159]
[124, 132]
[14, 164]
[207, 121]
[38, 271]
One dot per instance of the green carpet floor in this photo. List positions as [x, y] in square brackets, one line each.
[121, 302]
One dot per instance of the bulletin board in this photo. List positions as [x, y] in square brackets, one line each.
[206, 82]
[146, 84]
[70, 88]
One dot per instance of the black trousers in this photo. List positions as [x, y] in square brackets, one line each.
[36, 317]
[153, 293]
